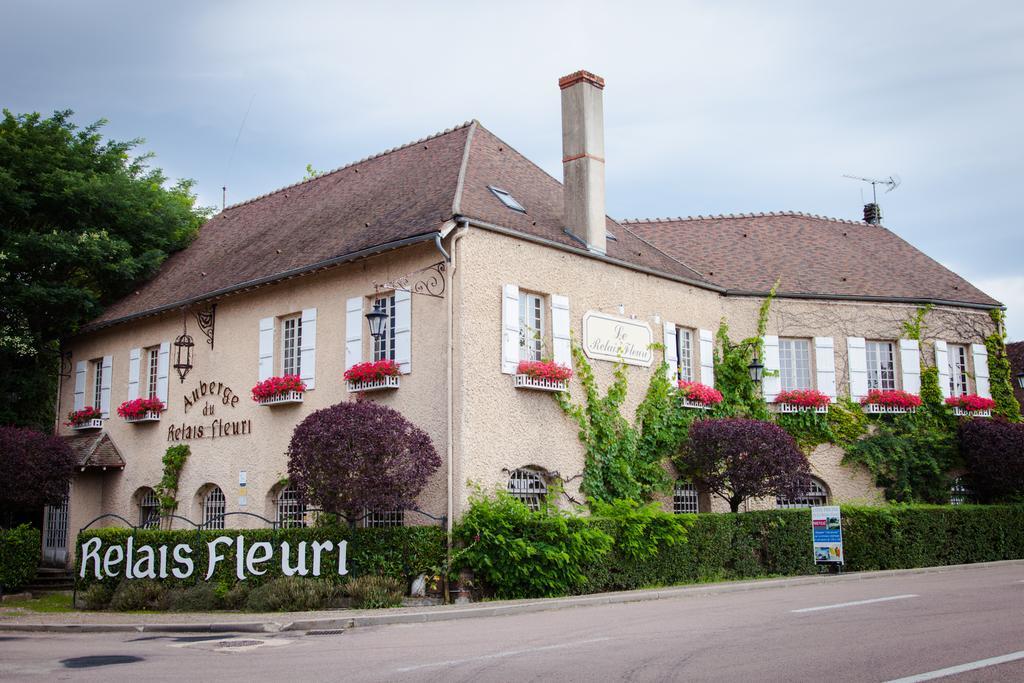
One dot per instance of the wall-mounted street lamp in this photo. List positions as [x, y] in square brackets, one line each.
[183, 351]
[756, 370]
[376, 319]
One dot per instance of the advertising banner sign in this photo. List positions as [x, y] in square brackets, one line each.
[827, 534]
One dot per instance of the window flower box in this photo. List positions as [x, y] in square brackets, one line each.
[542, 376]
[801, 400]
[971, 405]
[86, 419]
[892, 402]
[141, 410]
[698, 396]
[276, 391]
[372, 376]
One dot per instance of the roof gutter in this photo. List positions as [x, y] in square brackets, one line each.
[589, 254]
[867, 298]
[268, 280]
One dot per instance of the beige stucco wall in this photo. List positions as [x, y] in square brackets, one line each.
[233, 362]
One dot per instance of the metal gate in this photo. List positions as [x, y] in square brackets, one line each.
[55, 534]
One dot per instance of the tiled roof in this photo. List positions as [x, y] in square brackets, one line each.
[95, 449]
[809, 255]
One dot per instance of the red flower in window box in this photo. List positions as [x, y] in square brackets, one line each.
[276, 386]
[544, 369]
[892, 399]
[971, 402]
[700, 393]
[371, 371]
[804, 398]
[136, 408]
[79, 417]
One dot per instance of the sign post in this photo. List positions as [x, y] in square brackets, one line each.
[827, 536]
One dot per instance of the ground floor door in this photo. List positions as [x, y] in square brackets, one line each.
[55, 534]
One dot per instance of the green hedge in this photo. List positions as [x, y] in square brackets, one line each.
[401, 552]
[19, 556]
[778, 543]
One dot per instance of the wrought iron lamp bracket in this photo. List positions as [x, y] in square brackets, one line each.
[206, 321]
[429, 281]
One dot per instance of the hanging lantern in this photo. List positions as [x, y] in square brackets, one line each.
[183, 352]
[376, 319]
[756, 370]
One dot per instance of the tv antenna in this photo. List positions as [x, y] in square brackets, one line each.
[890, 183]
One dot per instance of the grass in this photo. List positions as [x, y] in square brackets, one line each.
[54, 602]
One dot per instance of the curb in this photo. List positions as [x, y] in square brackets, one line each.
[489, 610]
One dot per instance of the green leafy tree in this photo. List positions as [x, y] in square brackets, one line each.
[83, 220]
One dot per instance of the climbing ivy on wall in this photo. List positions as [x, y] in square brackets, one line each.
[740, 396]
[167, 489]
[999, 370]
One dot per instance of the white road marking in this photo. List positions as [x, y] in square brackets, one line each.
[970, 666]
[854, 603]
[498, 655]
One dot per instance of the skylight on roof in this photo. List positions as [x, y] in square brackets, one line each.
[507, 199]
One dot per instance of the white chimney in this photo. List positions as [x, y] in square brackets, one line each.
[583, 157]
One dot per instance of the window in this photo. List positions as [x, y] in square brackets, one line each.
[529, 487]
[149, 509]
[813, 493]
[684, 498]
[291, 342]
[959, 494]
[795, 364]
[291, 512]
[531, 326]
[384, 348]
[507, 199]
[881, 366]
[97, 390]
[214, 506]
[957, 370]
[684, 354]
[382, 519]
[152, 365]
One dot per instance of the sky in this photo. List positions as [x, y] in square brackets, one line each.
[710, 107]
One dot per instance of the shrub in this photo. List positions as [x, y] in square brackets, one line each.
[96, 597]
[360, 456]
[640, 531]
[139, 594]
[202, 597]
[520, 553]
[993, 451]
[19, 556]
[739, 458]
[294, 594]
[34, 470]
[375, 592]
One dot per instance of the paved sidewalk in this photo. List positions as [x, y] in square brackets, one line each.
[247, 622]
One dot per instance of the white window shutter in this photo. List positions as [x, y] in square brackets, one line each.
[982, 386]
[108, 363]
[671, 352]
[163, 370]
[910, 365]
[307, 351]
[560, 337]
[771, 384]
[825, 365]
[707, 358]
[81, 369]
[509, 329]
[857, 360]
[403, 330]
[134, 357]
[353, 331]
[942, 365]
[266, 366]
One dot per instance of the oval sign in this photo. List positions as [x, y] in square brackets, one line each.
[611, 338]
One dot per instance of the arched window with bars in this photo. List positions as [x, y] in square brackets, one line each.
[528, 486]
[214, 507]
[291, 511]
[685, 499]
[812, 493]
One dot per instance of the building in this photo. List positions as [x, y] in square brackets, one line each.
[480, 259]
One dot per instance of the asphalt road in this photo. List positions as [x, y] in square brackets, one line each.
[896, 627]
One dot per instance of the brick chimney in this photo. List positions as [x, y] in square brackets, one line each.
[583, 157]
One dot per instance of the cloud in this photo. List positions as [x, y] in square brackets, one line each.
[1009, 290]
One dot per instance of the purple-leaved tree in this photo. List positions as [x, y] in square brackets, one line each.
[993, 451]
[736, 459]
[34, 471]
[354, 457]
